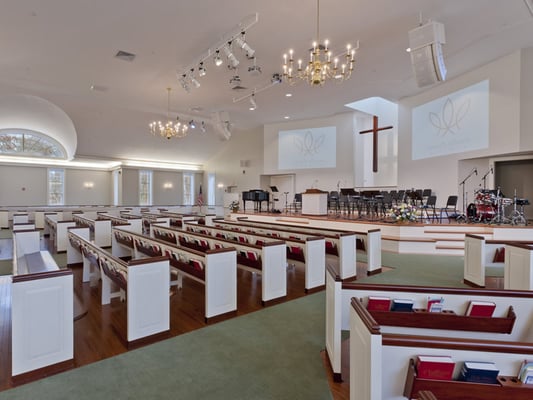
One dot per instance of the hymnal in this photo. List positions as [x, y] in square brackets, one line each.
[402, 305]
[435, 367]
[479, 372]
[480, 309]
[435, 304]
[377, 303]
[525, 375]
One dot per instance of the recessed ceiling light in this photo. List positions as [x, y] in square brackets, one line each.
[288, 94]
[408, 49]
[286, 117]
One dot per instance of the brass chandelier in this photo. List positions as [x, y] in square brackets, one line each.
[170, 129]
[321, 67]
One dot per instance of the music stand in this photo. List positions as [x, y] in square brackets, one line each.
[274, 189]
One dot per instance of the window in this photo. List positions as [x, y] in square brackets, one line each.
[188, 189]
[27, 143]
[56, 187]
[145, 188]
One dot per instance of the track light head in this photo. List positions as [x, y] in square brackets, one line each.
[183, 82]
[193, 80]
[245, 46]
[231, 57]
[192, 125]
[202, 127]
[201, 70]
[253, 104]
[217, 60]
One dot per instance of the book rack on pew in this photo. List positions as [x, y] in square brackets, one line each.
[508, 387]
[421, 318]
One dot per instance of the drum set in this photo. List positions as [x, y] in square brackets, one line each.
[490, 206]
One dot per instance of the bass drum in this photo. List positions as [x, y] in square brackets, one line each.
[485, 212]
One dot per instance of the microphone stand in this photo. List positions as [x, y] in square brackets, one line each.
[462, 217]
[484, 179]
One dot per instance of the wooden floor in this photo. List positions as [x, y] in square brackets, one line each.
[98, 334]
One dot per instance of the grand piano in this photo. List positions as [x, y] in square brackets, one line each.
[257, 196]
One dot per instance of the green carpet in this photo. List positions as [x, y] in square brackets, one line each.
[270, 354]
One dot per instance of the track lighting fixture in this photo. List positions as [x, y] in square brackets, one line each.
[231, 57]
[183, 82]
[201, 70]
[192, 125]
[245, 46]
[193, 80]
[221, 50]
[253, 104]
[202, 127]
[218, 61]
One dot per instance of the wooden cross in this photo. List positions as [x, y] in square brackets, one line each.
[375, 131]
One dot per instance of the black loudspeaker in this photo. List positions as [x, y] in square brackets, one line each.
[427, 59]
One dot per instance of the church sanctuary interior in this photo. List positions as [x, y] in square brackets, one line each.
[313, 199]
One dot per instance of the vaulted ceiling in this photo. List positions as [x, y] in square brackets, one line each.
[59, 49]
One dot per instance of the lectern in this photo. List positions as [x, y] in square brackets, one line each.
[314, 202]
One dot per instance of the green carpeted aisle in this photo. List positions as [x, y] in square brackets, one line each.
[270, 354]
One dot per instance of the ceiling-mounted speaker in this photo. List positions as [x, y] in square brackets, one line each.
[427, 59]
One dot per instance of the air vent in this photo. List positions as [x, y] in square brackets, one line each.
[125, 56]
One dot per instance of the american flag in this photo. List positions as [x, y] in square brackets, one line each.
[200, 198]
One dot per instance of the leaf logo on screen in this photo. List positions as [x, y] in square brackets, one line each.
[310, 144]
[450, 117]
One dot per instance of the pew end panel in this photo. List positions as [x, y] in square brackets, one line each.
[274, 273]
[42, 321]
[147, 297]
[518, 267]
[373, 250]
[366, 377]
[220, 282]
[347, 256]
[474, 268]
[315, 266]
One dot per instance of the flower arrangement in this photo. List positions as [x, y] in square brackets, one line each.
[403, 212]
[234, 206]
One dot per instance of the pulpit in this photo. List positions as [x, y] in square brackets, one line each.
[314, 202]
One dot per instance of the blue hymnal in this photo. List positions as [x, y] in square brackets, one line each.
[480, 372]
[402, 305]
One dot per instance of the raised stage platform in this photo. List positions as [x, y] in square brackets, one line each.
[414, 238]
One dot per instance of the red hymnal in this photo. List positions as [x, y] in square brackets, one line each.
[480, 309]
[376, 303]
[435, 367]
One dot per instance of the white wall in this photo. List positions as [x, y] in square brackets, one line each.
[324, 178]
[162, 195]
[76, 192]
[226, 164]
[444, 173]
[23, 186]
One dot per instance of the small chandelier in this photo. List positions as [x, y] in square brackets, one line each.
[171, 128]
[320, 67]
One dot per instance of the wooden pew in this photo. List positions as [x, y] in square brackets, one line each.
[216, 269]
[518, 270]
[269, 258]
[57, 230]
[338, 295]
[143, 283]
[124, 219]
[338, 243]
[42, 310]
[100, 229]
[310, 251]
[4, 219]
[481, 252]
[382, 364]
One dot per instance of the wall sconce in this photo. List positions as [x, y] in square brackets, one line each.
[167, 185]
[88, 185]
[220, 186]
